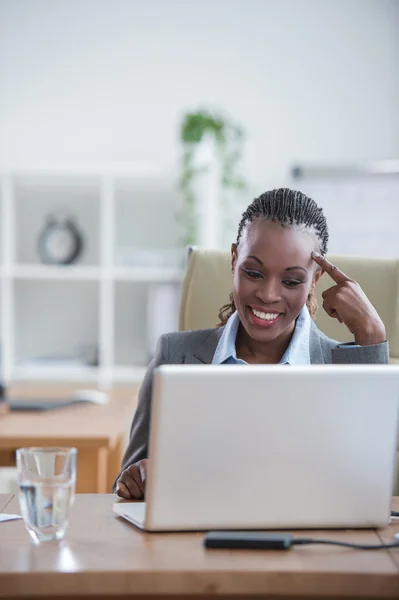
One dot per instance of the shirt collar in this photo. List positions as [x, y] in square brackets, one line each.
[226, 347]
[297, 352]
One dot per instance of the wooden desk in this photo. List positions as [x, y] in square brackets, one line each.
[105, 556]
[97, 431]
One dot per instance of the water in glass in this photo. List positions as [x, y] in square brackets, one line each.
[47, 479]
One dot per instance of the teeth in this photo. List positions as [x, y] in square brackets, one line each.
[265, 316]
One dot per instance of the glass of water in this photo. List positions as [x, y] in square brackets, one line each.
[46, 478]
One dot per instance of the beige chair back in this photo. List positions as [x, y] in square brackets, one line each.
[207, 285]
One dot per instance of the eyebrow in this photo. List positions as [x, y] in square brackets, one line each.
[287, 269]
[297, 267]
[256, 258]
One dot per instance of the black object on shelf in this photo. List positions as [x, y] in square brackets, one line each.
[39, 404]
[60, 241]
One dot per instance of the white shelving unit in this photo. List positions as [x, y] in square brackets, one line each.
[45, 308]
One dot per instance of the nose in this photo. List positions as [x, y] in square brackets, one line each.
[269, 291]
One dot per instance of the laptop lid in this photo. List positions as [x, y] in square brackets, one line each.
[271, 446]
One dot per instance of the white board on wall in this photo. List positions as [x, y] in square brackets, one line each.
[362, 211]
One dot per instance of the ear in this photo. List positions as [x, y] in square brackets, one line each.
[233, 256]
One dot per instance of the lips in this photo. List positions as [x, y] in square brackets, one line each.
[264, 318]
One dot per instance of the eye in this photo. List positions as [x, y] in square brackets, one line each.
[292, 282]
[253, 274]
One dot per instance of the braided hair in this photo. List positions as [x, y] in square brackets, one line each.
[290, 208]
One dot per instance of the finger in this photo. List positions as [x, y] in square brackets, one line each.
[336, 274]
[333, 314]
[339, 317]
[122, 490]
[136, 473]
[133, 487]
[329, 291]
[331, 311]
[131, 484]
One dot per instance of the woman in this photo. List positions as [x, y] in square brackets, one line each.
[276, 262]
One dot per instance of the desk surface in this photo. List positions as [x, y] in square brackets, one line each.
[97, 431]
[103, 555]
[88, 424]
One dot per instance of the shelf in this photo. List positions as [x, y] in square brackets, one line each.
[104, 300]
[83, 374]
[48, 373]
[49, 272]
[83, 273]
[131, 170]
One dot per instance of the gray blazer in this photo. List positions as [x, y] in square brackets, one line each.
[198, 347]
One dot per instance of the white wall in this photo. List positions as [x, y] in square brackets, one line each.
[99, 80]
[108, 81]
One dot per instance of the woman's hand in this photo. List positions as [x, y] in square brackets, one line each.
[131, 482]
[347, 302]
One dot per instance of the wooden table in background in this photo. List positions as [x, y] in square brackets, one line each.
[97, 431]
[104, 556]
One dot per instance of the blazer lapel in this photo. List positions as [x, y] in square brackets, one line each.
[315, 349]
[203, 353]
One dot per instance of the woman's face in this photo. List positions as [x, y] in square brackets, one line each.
[273, 274]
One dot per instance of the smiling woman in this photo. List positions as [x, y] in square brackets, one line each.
[277, 259]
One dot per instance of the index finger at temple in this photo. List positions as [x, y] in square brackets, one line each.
[332, 270]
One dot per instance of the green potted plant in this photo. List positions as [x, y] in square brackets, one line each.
[226, 137]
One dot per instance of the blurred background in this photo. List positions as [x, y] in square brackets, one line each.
[131, 129]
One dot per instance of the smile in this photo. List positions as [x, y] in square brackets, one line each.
[265, 319]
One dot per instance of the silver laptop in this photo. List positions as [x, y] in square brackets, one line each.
[269, 447]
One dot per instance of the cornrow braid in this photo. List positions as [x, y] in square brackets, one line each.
[291, 208]
[288, 207]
